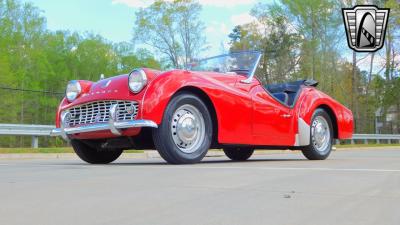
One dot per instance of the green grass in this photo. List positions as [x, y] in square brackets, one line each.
[367, 145]
[35, 150]
[46, 150]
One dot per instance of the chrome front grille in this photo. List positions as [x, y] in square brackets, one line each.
[98, 112]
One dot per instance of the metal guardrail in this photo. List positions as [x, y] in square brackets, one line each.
[377, 137]
[44, 130]
[26, 130]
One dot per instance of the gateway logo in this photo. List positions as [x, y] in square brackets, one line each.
[365, 27]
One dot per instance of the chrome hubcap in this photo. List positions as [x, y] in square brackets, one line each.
[188, 128]
[321, 135]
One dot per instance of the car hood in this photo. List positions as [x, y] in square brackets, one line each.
[118, 83]
[113, 88]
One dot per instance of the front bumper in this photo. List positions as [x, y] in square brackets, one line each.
[113, 126]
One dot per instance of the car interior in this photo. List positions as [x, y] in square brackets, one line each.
[287, 93]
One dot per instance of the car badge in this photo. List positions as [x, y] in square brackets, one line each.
[130, 109]
[365, 27]
[97, 118]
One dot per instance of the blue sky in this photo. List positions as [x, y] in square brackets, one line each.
[114, 19]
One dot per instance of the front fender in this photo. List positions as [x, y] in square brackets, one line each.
[159, 91]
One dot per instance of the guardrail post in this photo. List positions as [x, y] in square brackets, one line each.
[366, 141]
[352, 141]
[35, 142]
[390, 141]
[378, 141]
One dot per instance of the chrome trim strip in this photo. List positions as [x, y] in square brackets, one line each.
[103, 127]
[296, 140]
[304, 133]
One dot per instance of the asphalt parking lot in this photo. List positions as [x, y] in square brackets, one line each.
[352, 187]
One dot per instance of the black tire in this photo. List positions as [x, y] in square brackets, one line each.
[94, 155]
[311, 152]
[164, 141]
[239, 153]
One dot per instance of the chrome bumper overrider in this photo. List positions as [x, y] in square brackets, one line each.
[113, 126]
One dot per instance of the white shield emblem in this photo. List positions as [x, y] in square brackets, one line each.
[365, 27]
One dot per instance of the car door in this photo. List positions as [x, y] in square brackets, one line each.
[273, 122]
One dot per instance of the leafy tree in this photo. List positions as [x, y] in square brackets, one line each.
[273, 36]
[36, 64]
[305, 39]
[173, 28]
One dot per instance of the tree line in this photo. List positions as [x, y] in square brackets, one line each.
[36, 64]
[298, 38]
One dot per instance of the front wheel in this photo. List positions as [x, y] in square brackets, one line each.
[185, 133]
[321, 137]
[95, 155]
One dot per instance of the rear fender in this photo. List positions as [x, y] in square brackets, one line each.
[313, 99]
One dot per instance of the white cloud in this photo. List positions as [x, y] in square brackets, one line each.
[226, 3]
[219, 28]
[216, 3]
[217, 38]
[243, 18]
[133, 3]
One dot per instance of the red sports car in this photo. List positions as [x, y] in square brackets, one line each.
[218, 103]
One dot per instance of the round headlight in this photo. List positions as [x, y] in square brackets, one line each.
[137, 80]
[73, 90]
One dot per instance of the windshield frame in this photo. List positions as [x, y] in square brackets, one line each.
[251, 72]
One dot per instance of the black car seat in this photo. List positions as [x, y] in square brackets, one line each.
[282, 96]
[287, 92]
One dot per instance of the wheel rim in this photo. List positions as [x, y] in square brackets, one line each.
[187, 128]
[321, 134]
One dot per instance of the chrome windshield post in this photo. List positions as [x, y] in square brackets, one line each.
[253, 71]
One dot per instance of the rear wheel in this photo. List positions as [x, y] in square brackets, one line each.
[185, 133]
[94, 155]
[321, 137]
[239, 153]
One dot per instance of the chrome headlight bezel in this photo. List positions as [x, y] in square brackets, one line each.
[137, 80]
[73, 90]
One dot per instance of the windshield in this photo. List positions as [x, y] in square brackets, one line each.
[240, 63]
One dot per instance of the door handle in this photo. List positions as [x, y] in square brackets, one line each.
[286, 115]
